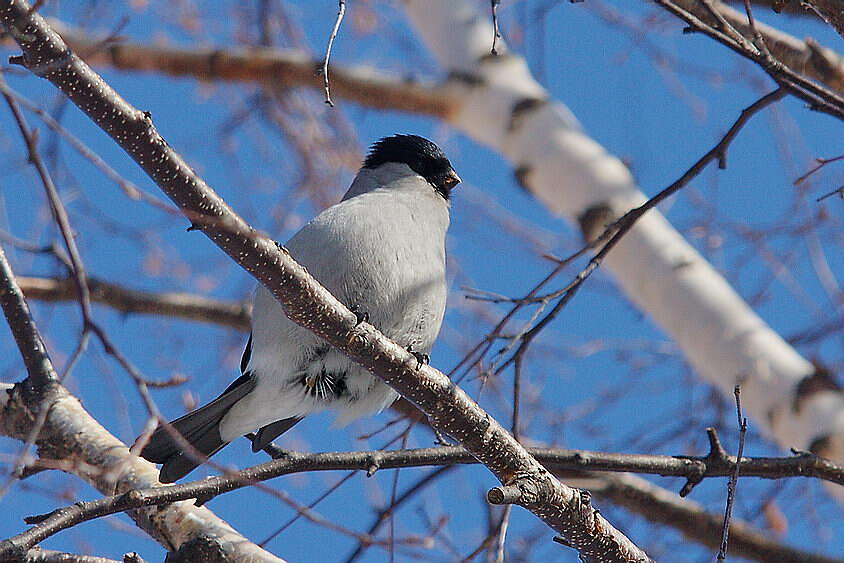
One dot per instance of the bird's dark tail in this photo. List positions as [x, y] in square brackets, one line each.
[201, 428]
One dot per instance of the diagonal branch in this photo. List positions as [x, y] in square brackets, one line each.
[307, 303]
[831, 11]
[806, 57]
[699, 18]
[24, 331]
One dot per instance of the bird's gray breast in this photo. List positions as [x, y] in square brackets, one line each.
[380, 253]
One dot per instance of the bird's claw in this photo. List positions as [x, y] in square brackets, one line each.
[360, 316]
[421, 358]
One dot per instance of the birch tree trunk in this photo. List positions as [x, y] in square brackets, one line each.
[572, 175]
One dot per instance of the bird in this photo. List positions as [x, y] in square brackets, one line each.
[380, 251]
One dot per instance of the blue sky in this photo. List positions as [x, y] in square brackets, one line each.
[615, 381]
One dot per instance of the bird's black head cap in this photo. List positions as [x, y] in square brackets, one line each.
[421, 155]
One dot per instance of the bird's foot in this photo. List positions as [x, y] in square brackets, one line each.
[281, 247]
[441, 440]
[270, 449]
[275, 452]
[421, 358]
[360, 316]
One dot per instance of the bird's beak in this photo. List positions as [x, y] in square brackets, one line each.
[452, 179]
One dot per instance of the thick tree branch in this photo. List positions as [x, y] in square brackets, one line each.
[307, 303]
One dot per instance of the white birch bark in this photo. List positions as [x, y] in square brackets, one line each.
[73, 438]
[722, 338]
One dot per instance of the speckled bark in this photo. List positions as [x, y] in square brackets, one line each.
[309, 304]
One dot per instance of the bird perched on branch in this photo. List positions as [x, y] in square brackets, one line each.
[381, 251]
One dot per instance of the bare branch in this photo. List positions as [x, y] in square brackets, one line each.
[733, 482]
[185, 306]
[282, 67]
[805, 57]
[613, 233]
[60, 215]
[556, 460]
[700, 18]
[693, 521]
[69, 433]
[24, 331]
[38, 555]
[496, 32]
[370, 87]
[831, 11]
[341, 10]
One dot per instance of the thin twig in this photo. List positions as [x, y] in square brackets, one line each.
[517, 393]
[758, 40]
[311, 506]
[496, 32]
[733, 483]
[718, 464]
[77, 269]
[341, 10]
[839, 191]
[128, 188]
[59, 213]
[819, 163]
[501, 535]
[30, 138]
